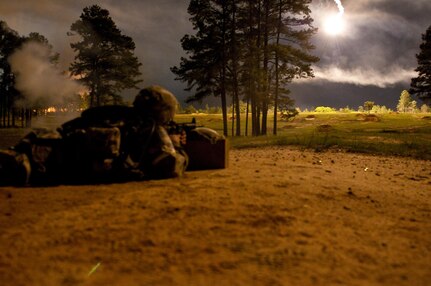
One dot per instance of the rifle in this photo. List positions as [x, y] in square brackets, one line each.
[178, 128]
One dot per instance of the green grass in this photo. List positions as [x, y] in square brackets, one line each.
[393, 134]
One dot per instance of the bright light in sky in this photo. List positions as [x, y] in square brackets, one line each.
[334, 24]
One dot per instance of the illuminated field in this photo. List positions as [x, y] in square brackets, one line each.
[391, 134]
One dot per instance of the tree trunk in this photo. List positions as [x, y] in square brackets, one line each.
[223, 71]
[246, 117]
[1, 110]
[22, 117]
[233, 117]
[28, 118]
[224, 109]
[258, 98]
[265, 83]
[13, 117]
[277, 83]
[235, 101]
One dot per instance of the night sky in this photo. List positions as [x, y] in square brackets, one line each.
[373, 59]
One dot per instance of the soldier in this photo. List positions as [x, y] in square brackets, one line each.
[104, 144]
[166, 157]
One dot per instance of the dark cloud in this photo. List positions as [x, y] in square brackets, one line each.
[415, 12]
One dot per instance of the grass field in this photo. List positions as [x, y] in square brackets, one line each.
[383, 134]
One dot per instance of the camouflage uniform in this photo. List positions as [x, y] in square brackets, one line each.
[104, 144]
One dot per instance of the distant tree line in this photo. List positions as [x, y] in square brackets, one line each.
[405, 104]
[247, 50]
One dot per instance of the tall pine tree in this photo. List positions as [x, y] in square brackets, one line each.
[421, 85]
[205, 68]
[291, 49]
[105, 60]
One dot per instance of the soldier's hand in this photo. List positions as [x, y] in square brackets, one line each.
[179, 139]
[183, 137]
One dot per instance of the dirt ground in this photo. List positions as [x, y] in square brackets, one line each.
[276, 216]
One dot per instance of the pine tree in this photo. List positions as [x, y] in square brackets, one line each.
[291, 49]
[205, 70]
[10, 40]
[421, 85]
[404, 102]
[105, 60]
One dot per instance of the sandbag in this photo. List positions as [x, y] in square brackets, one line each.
[207, 149]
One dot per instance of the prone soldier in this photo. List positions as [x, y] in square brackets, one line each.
[107, 143]
[115, 143]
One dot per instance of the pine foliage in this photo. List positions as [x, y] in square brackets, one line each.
[421, 85]
[105, 60]
[247, 50]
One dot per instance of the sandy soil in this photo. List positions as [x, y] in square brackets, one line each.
[276, 216]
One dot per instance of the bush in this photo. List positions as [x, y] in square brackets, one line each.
[346, 109]
[406, 104]
[368, 106]
[289, 114]
[190, 109]
[324, 109]
[380, 109]
[425, 108]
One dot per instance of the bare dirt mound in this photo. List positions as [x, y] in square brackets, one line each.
[276, 216]
[368, 117]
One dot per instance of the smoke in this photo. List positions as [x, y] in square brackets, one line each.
[340, 7]
[39, 81]
[363, 77]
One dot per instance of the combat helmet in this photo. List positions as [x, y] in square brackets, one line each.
[156, 102]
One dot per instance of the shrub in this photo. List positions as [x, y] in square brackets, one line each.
[324, 109]
[380, 109]
[368, 106]
[190, 109]
[425, 108]
[405, 103]
[289, 114]
[346, 109]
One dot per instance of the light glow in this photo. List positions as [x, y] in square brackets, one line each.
[334, 25]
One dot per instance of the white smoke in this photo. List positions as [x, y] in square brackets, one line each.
[40, 82]
[365, 77]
